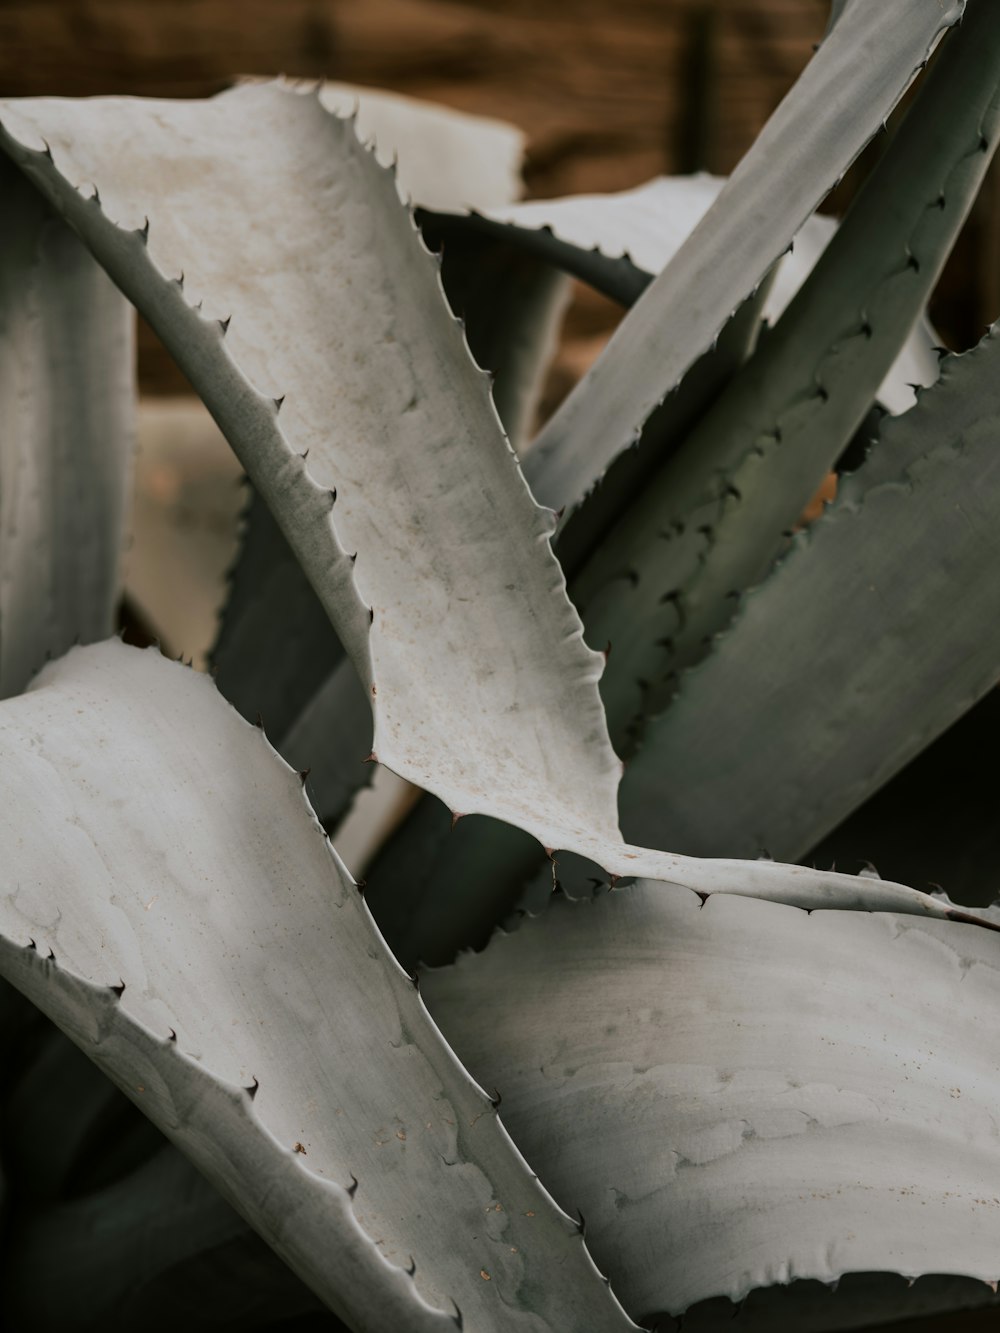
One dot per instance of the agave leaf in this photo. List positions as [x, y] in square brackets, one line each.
[736, 1093]
[714, 519]
[231, 924]
[657, 585]
[66, 435]
[277, 656]
[778, 740]
[444, 159]
[839, 102]
[374, 401]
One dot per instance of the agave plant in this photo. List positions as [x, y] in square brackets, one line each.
[753, 1078]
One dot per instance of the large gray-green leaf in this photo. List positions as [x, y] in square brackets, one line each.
[619, 242]
[169, 900]
[66, 436]
[880, 627]
[275, 646]
[184, 524]
[737, 1093]
[322, 345]
[841, 99]
[716, 516]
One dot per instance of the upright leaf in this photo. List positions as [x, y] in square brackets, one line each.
[66, 433]
[325, 351]
[715, 517]
[874, 634]
[839, 102]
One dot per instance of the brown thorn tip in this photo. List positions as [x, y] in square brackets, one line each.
[371, 758]
[277, 405]
[224, 323]
[171, 1035]
[352, 1188]
[411, 1267]
[607, 650]
[251, 1091]
[496, 1099]
[259, 722]
[456, 815]
[119, 990]
[304, 775]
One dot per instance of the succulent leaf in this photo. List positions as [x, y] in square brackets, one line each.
[66, 436]
[715, 517]
[888, 554]
[737, 1093]
[219, 964]
[840, 101]
[381, 397]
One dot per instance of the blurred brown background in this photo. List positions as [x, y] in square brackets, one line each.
[610, 92]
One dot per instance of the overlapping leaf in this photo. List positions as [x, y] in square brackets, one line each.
[66, 436]
[875, 633]
[434, 565]
[169, 900]
[839, 102]
[737, 1093]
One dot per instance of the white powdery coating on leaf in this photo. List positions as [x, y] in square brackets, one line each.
[737, 1093]
[482, 687]
[150, 838]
